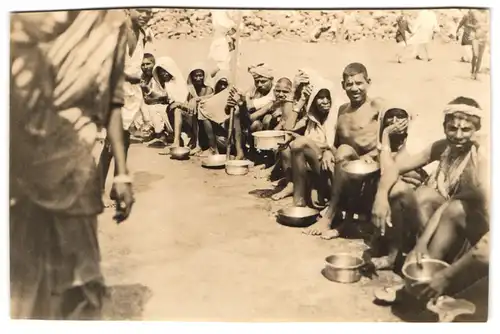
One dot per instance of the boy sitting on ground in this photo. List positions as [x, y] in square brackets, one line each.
[356, 139]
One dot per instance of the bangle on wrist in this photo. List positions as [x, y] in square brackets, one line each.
[122, 178]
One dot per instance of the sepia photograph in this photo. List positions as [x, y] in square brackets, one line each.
[250, 164]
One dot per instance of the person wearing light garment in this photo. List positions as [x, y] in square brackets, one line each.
[222, 47]
[66, 85]
[313, 150]
[174, 92]
[424, 29]
[450, 212]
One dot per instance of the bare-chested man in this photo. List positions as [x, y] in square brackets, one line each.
[356, 138]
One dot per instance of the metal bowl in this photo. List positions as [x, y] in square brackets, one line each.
[415, 273]
[343, 268]
[180, 153]
[214, 161]
[269, 139]
[358, 169]
[297, 216]
[237, 167]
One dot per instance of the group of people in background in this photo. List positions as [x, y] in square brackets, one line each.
[63, 99]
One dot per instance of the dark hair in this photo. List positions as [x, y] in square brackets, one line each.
[353, 69]
[148, 56]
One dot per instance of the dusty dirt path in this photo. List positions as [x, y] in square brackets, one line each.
[200, 246]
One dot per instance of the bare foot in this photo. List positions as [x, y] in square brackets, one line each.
[285, 192]
[239, 157]
[383, 263]
[108, 202]
[320, 228]
[195, 151]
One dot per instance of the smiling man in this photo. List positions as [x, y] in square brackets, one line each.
[356, 138]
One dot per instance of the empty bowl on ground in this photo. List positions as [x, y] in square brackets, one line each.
[343, 268]
[237, 167]
[297, 216]
[214, 161]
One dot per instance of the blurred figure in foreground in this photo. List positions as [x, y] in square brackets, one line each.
[66, 84]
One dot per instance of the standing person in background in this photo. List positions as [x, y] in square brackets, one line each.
[424, 29]
[403, 28]
[467, 23]
[222, 46]
[479, 41]
[66, 84]
[133, 113]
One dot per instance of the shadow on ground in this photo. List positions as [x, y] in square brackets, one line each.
[125, 302]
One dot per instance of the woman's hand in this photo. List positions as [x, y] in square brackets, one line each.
[397, 128]
[328, 161]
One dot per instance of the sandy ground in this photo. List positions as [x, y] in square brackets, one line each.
[202, 245]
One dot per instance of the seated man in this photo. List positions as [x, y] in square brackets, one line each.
[452, 207]
[253, 106]
[283, 116]
[314, 149]
[172, 92]
[356, 138]
[154, 101]
[394, 124]
[211, 112]
[199, 89]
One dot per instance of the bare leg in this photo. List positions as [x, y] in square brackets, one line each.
[212, 141]
[426, 51]
[177, 127]
[193, 143]
[344, 154]
[267, 122]
[400, 196]
[238, 136]
[303, 151]
[286, 159]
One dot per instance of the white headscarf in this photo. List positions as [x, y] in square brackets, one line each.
[176, 88]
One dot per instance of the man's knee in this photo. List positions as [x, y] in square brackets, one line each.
[267, 120]
[345, 153]
[400, 190]
[298, 144]
[256, 126]
[454, 211]
[427, 196]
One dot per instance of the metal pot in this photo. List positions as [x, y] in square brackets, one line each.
[214, 161]
[297, 216]
[416, 273]
[269, 139]
[180, 153]
[358, 169]
[343, 268]
[237, 167]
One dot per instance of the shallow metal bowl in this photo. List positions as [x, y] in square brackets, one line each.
[180, 153]
[415, 273]
[360, 169]
[343, 268]
[237, 167]
[296, 216]
[269, 139]
[214, 161]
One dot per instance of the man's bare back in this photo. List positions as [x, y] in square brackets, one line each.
[359, 127]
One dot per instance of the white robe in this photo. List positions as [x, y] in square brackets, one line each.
[424, 28]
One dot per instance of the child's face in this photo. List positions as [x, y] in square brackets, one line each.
[282, 91]
[147, 66]
[356, 87]
[323, 101]
[197, 77]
